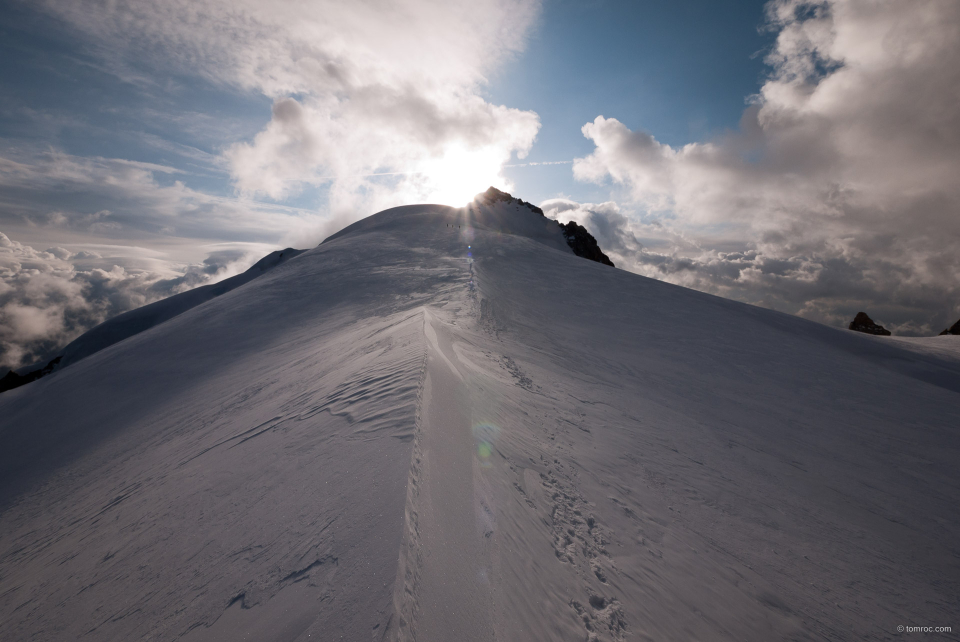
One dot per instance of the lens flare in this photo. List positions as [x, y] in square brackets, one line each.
[485, 434]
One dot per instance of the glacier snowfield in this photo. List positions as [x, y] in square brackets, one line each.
[441, 425]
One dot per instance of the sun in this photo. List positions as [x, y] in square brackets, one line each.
[460, 174]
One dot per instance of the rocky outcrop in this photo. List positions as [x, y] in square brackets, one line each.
[583, 244]
[13, 380]
[493, 195]
[863, 323]
[578, 238]
[954, 329]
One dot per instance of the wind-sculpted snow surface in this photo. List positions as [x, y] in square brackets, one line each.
[442, 425]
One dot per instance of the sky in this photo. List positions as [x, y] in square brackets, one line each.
[801, 156]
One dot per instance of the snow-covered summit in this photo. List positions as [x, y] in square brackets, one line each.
[441, 424]
[492, 211]
[578, 238]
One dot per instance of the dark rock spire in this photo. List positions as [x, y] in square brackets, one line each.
[954, 329]
[863, 323]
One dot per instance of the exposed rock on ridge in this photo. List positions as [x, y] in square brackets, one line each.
[954, 329]
[583, 244]
[863, 323]
[13, 380]
[578, 238]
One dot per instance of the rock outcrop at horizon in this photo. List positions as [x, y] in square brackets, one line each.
[954, 329]
[13, 380]
[863, 323]
[578, 238]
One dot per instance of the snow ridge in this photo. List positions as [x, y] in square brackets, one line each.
[409, 433]
[406, 590]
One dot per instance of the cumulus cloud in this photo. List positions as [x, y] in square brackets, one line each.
[49, 297]
[839, 190]
[360, 87]
[614, 232]
[826, 289]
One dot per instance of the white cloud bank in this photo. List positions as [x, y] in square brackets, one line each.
[137, 233]
[839, 192]
[49, 297]
[360, 87]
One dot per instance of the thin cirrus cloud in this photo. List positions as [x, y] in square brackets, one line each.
[838, 192]
[123, 199]
[359, 87]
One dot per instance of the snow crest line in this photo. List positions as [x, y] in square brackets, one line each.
[405, 603]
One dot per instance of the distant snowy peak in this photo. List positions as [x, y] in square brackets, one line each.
[578, 238]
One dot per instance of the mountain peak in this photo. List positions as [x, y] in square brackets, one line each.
[493, 195]
[408, 418]
[577, 237]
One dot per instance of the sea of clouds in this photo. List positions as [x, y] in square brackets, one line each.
[49, 297]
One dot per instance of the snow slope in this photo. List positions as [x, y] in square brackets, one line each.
[442, 425]
[133, 322]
